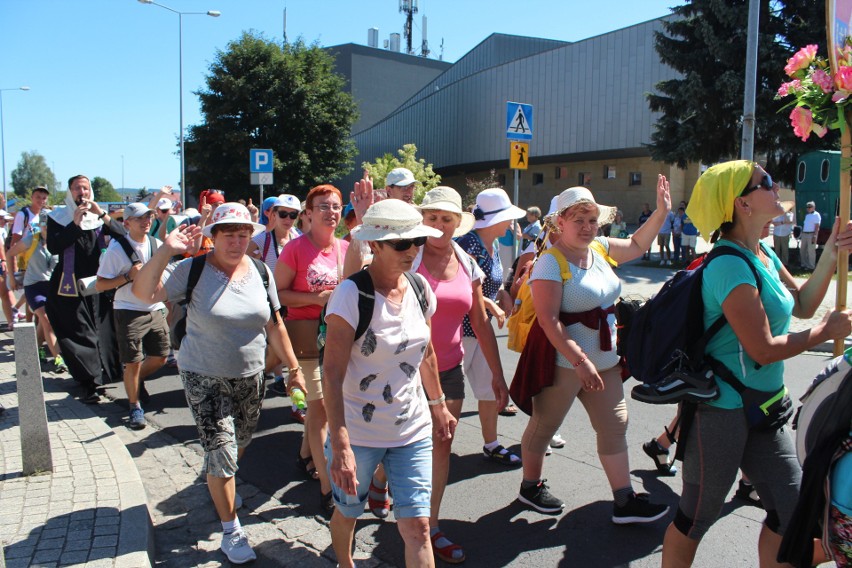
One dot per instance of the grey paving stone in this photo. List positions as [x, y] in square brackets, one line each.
[105, 540]
[50, 543]
[47, 555]
[78, 557]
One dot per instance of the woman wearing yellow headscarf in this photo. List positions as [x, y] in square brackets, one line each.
[738, 199]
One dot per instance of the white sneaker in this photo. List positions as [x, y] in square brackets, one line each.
[557, 441]
[236, 547]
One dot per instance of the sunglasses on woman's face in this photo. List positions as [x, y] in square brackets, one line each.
[284, 214]
[402, 245]
[766, 183]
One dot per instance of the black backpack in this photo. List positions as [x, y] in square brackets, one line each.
[180, 309]
[366, 303]
[667, 332]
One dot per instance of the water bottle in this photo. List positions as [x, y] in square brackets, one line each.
[298, 398]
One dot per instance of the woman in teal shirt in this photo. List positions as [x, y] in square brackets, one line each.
[737, 199]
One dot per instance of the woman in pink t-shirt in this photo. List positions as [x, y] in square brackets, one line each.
[457, 282]
[308, 269]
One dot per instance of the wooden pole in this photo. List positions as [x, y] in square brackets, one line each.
[843, 259]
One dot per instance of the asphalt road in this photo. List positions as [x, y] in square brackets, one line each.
[479, 507]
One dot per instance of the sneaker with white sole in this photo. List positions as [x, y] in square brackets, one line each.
[660, 455]
[679, 385]
[137, 419]
[236, 547]
[539, 498]
[638, 510]
[557, 441]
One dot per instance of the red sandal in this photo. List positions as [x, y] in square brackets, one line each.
[378, 501]
[445, 553]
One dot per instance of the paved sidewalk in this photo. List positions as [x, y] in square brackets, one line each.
[91, 511]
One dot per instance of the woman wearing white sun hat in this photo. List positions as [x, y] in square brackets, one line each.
[221, 358]
[381, 388]
[494, 213]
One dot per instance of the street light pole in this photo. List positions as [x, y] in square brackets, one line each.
[3, 137]
[213, 14]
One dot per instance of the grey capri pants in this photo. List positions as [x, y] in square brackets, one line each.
[226, 411]
[718, 444]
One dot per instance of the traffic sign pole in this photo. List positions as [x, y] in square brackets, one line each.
[515, 222]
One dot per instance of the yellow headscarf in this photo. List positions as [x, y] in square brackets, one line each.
[712, 201]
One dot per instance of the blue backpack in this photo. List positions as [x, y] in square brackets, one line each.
[667, 332]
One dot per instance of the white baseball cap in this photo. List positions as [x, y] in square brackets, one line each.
[165, 203]
[399, 176]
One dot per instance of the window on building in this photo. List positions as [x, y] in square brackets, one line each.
[561, 172]
[609, 172]
[801, 171]
[538, 178]
[635, 178]
[584, 178]
[823, 171]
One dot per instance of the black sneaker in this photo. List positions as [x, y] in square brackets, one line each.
[660, 456]
[679, 386]
[747, 492]
[638, 510]
[539, 498]
[91, 396]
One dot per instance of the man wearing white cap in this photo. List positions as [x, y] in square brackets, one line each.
[164, 223]
[494, 213]
[140, 327]
[400, 184]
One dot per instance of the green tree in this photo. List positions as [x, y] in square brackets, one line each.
[104, 191]
[141, 195]
[423, 173]
[32, 171]
[701, 111]
[262, 95]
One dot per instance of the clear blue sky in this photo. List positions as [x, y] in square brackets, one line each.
[103, 74]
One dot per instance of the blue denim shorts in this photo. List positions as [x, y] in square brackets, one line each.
[409, 471]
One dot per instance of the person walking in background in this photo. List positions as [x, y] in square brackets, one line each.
[533, 228]
[664, 239]
[140, 327]
[494, 213]
[76, 234]
[689, 238]
[810, 233]
[400, 184]
[782, 228]
[570, 351]
[644, 216]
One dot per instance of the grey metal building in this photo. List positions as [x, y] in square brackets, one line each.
[591, 121]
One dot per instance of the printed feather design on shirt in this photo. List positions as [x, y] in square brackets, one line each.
[365, 382]
[386, 394]
[367, 411]
[368, 347]
[403, 344]
[403, 415]
[407, 369]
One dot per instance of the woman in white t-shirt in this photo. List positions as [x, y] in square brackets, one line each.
[380, 389]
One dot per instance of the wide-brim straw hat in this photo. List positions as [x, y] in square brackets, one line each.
[493, 206]
[392, 219]
[574, 195]
[232, 213]
[445, 198]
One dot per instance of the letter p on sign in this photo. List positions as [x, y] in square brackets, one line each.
[260, 161]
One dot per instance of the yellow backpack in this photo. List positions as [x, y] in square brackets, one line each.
[523, 314]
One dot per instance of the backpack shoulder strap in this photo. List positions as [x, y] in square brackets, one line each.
[417, 285]
[366, 301]
[564, 269]
[731, 251]
[598, 247]
[195, 270]
[127, 248]
[266, 244]
[264, 276]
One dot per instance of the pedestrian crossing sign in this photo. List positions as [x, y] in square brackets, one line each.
[518, 155]
[519, 121]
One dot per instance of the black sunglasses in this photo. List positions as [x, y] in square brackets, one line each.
[402, 245]
[284, 214]
[766, 183]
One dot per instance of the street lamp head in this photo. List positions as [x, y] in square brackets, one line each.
[213, 13]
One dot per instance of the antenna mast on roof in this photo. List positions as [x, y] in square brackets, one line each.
[285, 26]
[441, 55]
[409, 8]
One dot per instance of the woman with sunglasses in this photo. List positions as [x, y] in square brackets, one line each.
[309, 268]
[383, 391]
[735, 200]
[278, 214]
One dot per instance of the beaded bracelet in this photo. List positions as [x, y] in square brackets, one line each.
[580, 362]
[437, 401]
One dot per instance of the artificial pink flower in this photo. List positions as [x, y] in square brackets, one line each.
[839, 96]
[789, 87]
[802, 121]
[801, 60]
[819, 129]
[843, 78]
[823, 79]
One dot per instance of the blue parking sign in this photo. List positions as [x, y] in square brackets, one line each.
[260, 161]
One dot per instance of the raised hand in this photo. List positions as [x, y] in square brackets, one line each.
[362, 196]
[181, 239]
[664, 198]
[252, 209]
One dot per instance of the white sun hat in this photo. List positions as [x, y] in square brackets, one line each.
[445, 198]
[579, 194]
[392, 219]
[232, 213]
[494, 206]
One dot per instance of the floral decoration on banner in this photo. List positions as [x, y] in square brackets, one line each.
[820, 97]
